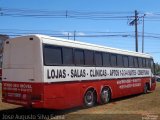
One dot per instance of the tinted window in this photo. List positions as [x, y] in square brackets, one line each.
[152, 66]
[144, 62]
[67, 55]
[119, 60]
[147, 63]
[113, 60]
[149, 60]
[135, 59]
[52, 55]
[79, 57]
[98, 58]
[130, 61]
[89, 57]
[125, 61]
[140, 62]
[106, 59]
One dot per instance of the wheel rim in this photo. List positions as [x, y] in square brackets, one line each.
[105, 95]
[89, 98]
[145, 88]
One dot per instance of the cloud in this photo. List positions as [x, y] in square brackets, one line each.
[72, 33]
[80, 34]
[149, 14]
[66, 33]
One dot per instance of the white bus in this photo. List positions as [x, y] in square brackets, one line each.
[48, 72]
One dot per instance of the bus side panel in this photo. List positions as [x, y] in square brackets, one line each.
[73, 94]
[153, 84]
[120, 88]
[66, 94]
[63, 95]
[54, 95]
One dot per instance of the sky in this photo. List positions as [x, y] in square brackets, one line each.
[13, 25]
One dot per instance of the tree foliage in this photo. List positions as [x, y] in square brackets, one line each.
[157, 68]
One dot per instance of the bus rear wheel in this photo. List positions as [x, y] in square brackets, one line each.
[105, 95]
[89, 98]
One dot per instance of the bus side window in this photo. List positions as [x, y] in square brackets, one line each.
[67, 56]
[98, 58]
[131, 64]
[119, 61]
[144, 62]
[135, 60]
[113, 60]
[152, 66]
[106, 59]
[89, 57]
[125, 61]
[147, 63]
[79, 57]
[140, 62]
[52, 55]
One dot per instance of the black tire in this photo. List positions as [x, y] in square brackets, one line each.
[89, 98]
[145, 89]
[105, 95]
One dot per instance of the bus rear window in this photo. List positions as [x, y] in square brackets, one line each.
[52, 55]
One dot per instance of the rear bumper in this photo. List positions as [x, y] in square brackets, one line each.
[16, 102]
[37, 104]
[33, 104]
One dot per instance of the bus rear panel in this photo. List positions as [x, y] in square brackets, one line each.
[22, 65]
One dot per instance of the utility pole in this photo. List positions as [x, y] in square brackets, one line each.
[143, 34]
[136, 30]
[68, 35]
[74, 35]
[135, 23]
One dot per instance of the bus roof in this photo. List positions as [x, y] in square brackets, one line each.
[82, 45]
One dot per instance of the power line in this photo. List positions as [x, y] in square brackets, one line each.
[91, 15]
[78, 33]
[99, 15]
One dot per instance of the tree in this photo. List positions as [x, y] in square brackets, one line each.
[157, 68]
